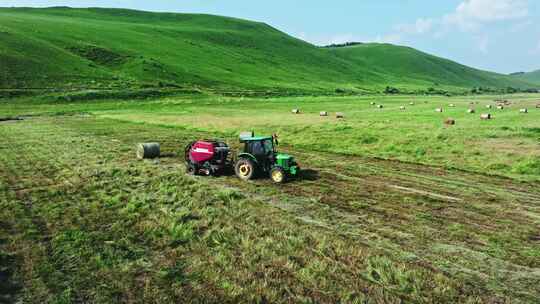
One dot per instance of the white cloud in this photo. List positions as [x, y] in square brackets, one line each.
[421, 26]
[535, 50]
[471, 14]
[492, 10]
[483, 44]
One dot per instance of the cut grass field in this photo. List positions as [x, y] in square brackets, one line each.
[392, 205]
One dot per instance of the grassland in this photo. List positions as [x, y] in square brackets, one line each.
[63, 48]
[532, 77]
[392, 206]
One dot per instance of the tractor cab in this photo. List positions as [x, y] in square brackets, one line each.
[261, 148]
[259, 156]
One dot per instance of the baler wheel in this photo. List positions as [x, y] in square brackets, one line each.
[190, 169]
[245, 169]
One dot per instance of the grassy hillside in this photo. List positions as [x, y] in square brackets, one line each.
[104, 48]
[533, 77]
[405, 63]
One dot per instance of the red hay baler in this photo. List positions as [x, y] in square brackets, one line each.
[207, 157]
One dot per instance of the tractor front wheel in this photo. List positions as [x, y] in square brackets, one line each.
[278, 175]
[245, 169]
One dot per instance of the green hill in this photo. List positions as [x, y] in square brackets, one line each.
[405, 63]
[105, 48]
[532, 77]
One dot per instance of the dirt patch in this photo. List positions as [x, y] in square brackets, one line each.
[99, 55]
[11, 119]
[513, 146]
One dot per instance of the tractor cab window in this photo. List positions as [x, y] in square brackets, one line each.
[268, 146]
[257, 148]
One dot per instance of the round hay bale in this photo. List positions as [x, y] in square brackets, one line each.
[538, 106]
[451, 105]
[449, 121]
[148, 150]
[402, 108]
[485, 116]
[379, 106]
[524, 111]
[372, 103]
[488, 106]
[411, 103]
[323, 113]
[295, 111]
[439, 110]
[340, 115]
[500, 107]
[471, 111]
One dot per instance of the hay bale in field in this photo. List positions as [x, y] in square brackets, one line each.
[411, 103]
[439, 110]
[451, 105]
[449, 121]
[500, 107]
[489, 106]
[372, 103]
[295, 111]
[379, 106]
[471, 111]
[323, 113]
[485, 116]
[148, 150]
[402, 108]
[340, 115]
[524, 111]
[538, 106]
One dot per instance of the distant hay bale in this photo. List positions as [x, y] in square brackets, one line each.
[402, 108]
[372, 103]
[489, 106]
[524, 111]
[148, 150]
[451, 105]
[500, 107]
[471, 111]
[380, 106]
[485, 116]
[449, 121]
[323, 113]
[538, 106]
[295, 111]
[340, 115]
[411, 103]
[439, 110]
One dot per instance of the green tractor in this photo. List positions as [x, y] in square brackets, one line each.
[260, 157]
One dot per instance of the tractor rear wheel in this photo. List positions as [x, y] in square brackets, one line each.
[278, 175]
[245, 169]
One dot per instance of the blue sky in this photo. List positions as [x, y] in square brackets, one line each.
[497, 35]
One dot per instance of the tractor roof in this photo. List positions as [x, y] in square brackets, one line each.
[255, 138]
